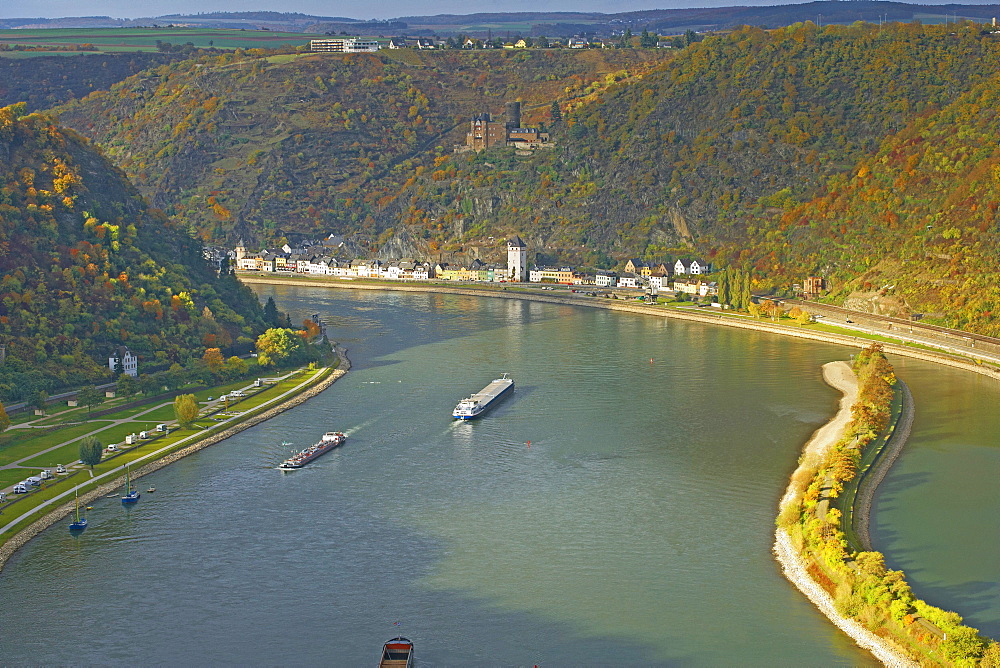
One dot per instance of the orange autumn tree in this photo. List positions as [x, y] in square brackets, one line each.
[214, 360]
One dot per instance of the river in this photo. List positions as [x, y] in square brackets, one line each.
[617, 509]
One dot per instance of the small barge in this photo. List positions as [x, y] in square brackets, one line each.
[397, 653]
[330, 440]
[482, 401]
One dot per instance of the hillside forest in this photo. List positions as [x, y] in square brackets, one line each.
[857, 153]
[86, 266]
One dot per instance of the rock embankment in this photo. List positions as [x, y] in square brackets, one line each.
[862, 514]
[794, 568]
[22, 537]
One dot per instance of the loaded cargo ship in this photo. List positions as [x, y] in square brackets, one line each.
[482, 401]
[330, 440]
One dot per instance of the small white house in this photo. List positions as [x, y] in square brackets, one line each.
[628, 280]
[659, 282]
[605, 279]
[693, 267]
[123, 361]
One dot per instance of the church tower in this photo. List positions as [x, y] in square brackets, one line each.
[517, 259]
[241, 251]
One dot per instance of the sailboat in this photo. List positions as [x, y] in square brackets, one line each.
[81, 522]
[131, 495]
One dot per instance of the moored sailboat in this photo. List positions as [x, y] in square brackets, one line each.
[131, 495]
[81, 522]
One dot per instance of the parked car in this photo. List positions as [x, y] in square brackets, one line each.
[21, 488]
[60, 469]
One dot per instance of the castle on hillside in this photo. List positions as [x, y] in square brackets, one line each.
[484, 132]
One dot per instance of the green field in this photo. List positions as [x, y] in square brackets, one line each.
[107, 40]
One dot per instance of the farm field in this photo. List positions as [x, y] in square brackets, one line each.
[103, 40]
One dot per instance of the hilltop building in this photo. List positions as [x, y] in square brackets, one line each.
[343, 45]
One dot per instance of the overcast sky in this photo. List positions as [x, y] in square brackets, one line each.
[378, 9]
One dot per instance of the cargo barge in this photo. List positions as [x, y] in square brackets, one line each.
[482, 401]
[330, 440]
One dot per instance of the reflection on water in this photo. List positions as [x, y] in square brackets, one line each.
[935, 516]
[617, 509]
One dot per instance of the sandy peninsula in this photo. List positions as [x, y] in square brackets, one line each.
[840, 376]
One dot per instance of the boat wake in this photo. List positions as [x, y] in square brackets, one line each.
[353, 430]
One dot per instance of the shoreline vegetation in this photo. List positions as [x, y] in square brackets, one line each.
[827, 503]
[23, 536]
[871, 604]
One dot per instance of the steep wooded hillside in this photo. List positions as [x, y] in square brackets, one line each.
[85, 267]
[246, 146]
[46, 81]
[911, 228]
[733, 128]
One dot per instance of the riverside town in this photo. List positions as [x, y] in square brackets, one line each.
[320, 258]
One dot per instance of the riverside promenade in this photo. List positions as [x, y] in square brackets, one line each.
[113, 479]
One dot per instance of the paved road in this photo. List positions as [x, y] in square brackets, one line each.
[914, 337]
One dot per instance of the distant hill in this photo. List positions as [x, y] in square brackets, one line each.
[86, 266]
[560, 24]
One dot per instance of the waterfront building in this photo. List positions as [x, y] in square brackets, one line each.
[628, 280]
[693, 267]
[517, 259]
[551, 275]
[605, 279]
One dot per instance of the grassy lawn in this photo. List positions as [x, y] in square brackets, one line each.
[10, 477]
[25, 448]
[162, 414]
[64, 455]
[130, 412]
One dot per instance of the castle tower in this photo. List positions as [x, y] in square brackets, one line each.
[513, 114]
[241, 251]
[517, 259]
